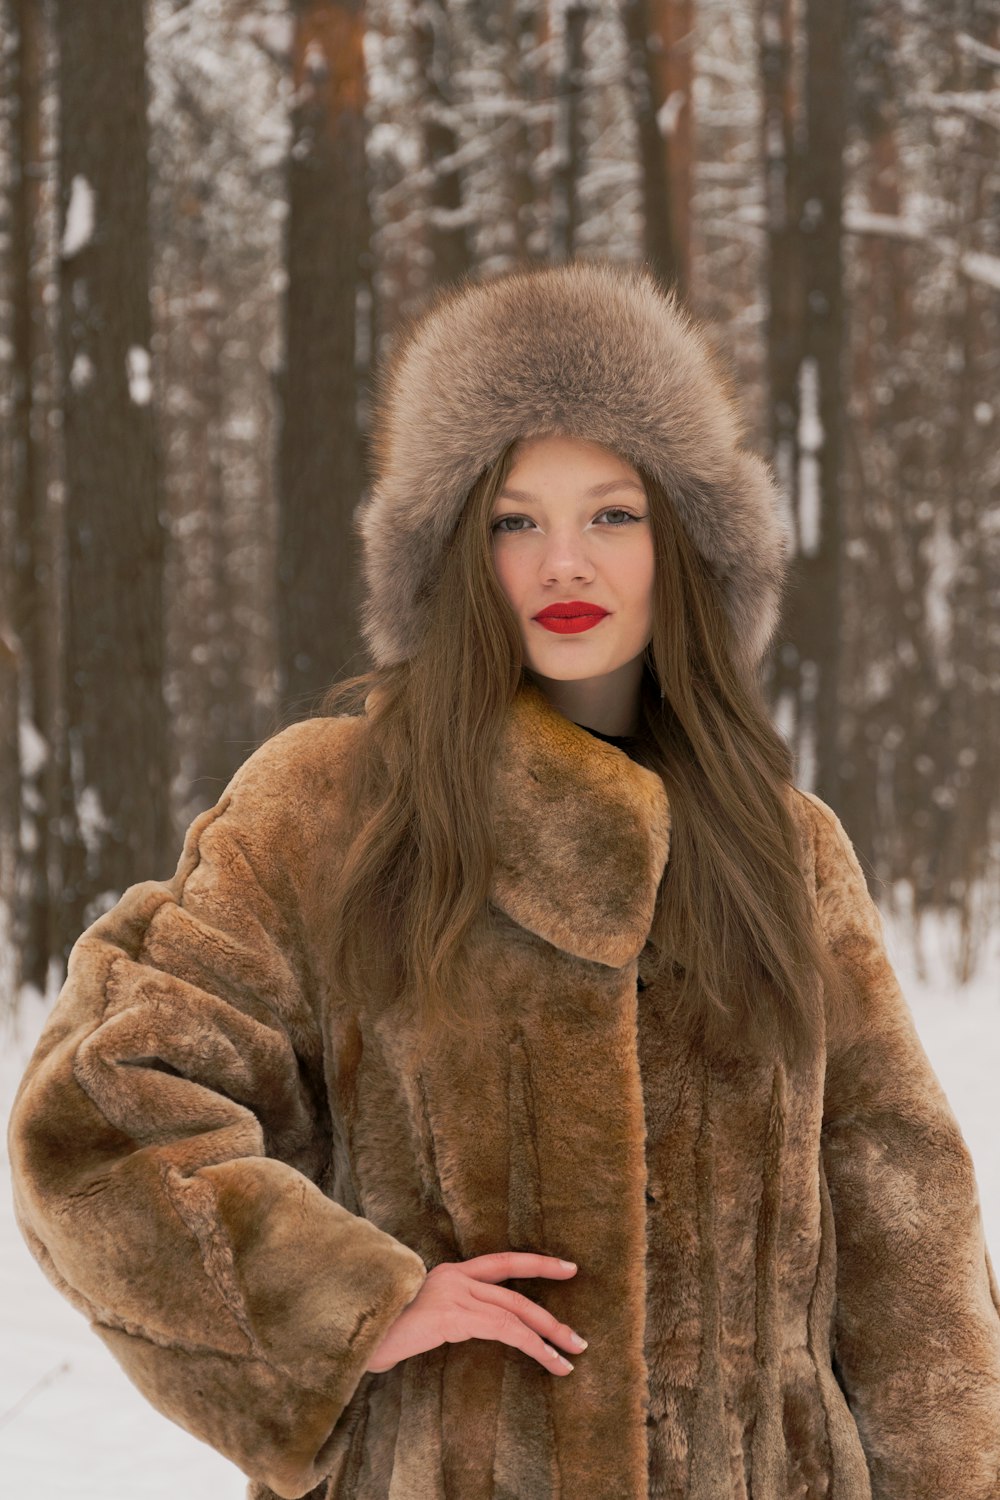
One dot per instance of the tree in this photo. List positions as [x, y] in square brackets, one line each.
[30, 613]
[319, 446]
[113, 749]
[804, 127]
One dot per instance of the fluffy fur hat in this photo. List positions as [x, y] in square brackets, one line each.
[590, 348]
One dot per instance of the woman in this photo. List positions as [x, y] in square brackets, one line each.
[536, 957]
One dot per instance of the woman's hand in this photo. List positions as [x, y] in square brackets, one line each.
[460, 1300]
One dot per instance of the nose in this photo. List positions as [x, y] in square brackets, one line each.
[565, 555]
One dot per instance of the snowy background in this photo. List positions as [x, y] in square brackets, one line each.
[490, 133]
[71, 1424]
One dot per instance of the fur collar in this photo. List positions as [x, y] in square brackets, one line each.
[582, 833]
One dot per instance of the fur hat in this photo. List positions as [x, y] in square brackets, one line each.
[589, 348]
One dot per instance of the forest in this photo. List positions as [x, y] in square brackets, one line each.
[213, 214]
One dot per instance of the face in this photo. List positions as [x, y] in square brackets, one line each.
[571, 530]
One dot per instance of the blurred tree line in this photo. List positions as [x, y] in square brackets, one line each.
[212, 214]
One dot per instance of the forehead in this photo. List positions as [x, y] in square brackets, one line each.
[560, 465]
[592, 492]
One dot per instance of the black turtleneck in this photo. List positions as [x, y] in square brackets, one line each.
[627, 742]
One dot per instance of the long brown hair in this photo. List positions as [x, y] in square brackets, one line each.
[734, 927]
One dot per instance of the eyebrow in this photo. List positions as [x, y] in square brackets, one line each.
[595, 491]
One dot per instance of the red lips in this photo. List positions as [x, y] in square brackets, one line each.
[571, 616]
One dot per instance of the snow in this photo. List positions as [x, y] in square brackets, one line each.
[943, 557]
[91, 818]
[980, 104]
[670, 111]
[973, 45]
[979, 266]
[72, 1424]
[81, 371]
[32, 748]
[806, 757]
[810, 437]
[785, 715]
[273, 33]
[895, 226]
[79, 217]
[137, 365]
[314, 61]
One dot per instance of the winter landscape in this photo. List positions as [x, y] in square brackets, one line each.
[197, 296]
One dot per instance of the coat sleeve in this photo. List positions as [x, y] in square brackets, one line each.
[917, 1319]
[168, 1137]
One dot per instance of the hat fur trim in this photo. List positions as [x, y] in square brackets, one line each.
[590, 348]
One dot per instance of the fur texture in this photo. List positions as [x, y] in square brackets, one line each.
[241, 1183]
[590, 348]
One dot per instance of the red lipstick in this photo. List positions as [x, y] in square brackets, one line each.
[571, 617]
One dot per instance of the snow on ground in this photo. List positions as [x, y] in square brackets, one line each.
[71, 1423]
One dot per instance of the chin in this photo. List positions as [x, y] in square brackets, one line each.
[577, 671]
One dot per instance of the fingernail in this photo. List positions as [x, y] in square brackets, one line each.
[565, 1362]
[579, 1342]
[569, 1264]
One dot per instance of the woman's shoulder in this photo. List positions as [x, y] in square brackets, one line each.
[309, 753]
[842, 887]
[293, 786]
[828, 835]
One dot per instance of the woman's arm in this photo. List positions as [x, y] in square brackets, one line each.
[166, 1135]
[917, 1330]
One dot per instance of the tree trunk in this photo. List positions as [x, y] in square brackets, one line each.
[571, 153]
[114, 754]
[804, 192]
[27, 620]
[661, 43]
[446, 227]
[320, 459]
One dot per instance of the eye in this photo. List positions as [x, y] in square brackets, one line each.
[617, 510]
[612, 510]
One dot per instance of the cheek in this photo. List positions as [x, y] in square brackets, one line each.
[638, 567]
[505, 567]
[502, 575]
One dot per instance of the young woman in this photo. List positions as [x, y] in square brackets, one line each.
[509, 1097]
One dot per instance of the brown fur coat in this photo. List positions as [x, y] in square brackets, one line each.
[783, 1277]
